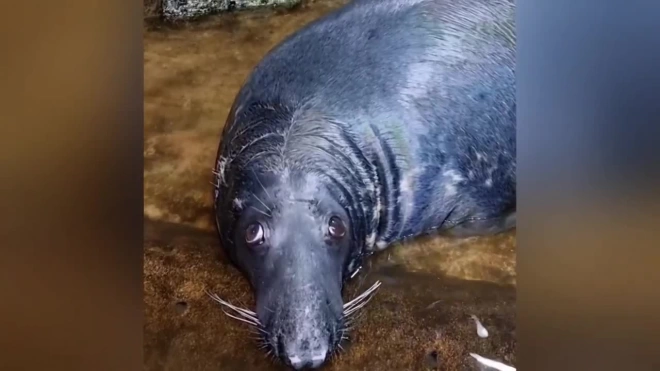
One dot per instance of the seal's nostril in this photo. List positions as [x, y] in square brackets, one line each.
[280, 347]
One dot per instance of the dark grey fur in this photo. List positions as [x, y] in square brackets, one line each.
[399, 116]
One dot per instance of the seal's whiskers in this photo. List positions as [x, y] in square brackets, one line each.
[260, 332]
[361, 300]
[261, 184]
[262, 344]
[348, 324]
[270, 355]
[264, 204]
[240, 319]
[244, 315]
[373, 288]
[233, 307]
[357, 307]
[260, 212]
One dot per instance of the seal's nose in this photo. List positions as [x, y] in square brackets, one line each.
[307, 360]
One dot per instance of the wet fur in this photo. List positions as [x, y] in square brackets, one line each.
[404, 110]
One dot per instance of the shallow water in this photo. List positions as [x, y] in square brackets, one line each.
[420, 319]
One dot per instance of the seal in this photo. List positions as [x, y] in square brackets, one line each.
[379, 122]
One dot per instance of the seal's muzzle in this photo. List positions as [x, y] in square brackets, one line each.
[300, 303]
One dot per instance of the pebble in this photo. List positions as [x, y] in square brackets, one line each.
[481, 330]
[492, 363]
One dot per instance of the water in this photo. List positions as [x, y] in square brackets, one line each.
[420, 319]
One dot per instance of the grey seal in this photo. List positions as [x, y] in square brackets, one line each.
[379, 122]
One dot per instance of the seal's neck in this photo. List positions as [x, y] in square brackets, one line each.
[395, 175]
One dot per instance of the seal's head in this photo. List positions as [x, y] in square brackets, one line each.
[289, 222]
[293, 240]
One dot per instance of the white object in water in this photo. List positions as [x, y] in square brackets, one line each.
[492, 363]
[481, 330]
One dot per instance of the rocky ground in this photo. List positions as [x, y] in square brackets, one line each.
[185, 10]
[420, 318]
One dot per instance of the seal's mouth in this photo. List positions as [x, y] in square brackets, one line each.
[349, 314]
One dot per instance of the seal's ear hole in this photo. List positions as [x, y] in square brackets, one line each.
[180, 307]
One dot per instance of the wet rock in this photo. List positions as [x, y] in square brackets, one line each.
[152, 8]
[188, 9]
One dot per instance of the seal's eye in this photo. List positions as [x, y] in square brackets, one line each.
[336, 227]
[254, 234]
